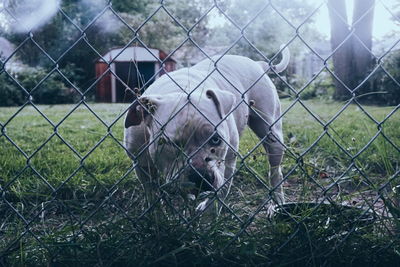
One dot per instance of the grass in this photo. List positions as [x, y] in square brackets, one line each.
[70, 197]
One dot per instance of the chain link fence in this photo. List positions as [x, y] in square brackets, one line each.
[70, 195]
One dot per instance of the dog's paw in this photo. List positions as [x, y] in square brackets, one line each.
[202, 206]
[191, 197]
[271, 210]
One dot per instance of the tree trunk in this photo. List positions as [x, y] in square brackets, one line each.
[342, 60]
[353, 59]
[363, 16]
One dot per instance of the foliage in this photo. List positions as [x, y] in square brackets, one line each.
[130, 6]
[267, 31]
[167, 33]
[10, 95]
[386, 87]
[322, 88]
[63, 42]
[52, 90]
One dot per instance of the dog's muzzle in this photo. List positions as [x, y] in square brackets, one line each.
[202, 180]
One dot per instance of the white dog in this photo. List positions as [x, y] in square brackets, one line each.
[186, 126]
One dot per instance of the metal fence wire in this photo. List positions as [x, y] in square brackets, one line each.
[335, 208]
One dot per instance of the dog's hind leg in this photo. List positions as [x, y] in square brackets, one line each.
[275, 154]
[260, 122]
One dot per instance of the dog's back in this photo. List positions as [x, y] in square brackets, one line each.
[234, 73]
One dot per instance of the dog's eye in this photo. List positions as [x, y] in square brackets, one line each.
[215, 140]
[161, 141]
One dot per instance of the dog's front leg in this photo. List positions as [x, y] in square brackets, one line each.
[276, 183]
[225, 181]
[218, 182]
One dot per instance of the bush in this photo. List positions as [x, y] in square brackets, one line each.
[53, 90]
[10, 94]
[381, 88]
[388, 89]
[322, 86]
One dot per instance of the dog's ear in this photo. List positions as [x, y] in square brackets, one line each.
[140, 111]
[223, 101]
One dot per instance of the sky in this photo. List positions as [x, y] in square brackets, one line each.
[383, 24]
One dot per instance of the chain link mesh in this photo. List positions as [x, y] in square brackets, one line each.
[58, 205]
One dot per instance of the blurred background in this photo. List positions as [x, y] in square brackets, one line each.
[72, 36]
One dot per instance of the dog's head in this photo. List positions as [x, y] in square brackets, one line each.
[188, 135]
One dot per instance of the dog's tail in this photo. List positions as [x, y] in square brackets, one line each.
[281, 66]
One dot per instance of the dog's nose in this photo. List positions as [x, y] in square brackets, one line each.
[202, 179]
[199, 163]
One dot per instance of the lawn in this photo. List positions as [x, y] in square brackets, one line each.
[70, 196]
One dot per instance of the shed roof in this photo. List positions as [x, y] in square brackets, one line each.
[134, 53]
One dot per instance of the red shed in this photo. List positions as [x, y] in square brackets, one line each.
[134, 67]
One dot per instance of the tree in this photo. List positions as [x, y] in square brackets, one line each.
[352, 58]
[266, 30]
[58, 35]
[162, 31]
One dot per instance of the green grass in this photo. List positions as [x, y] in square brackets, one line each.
[84, 205]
